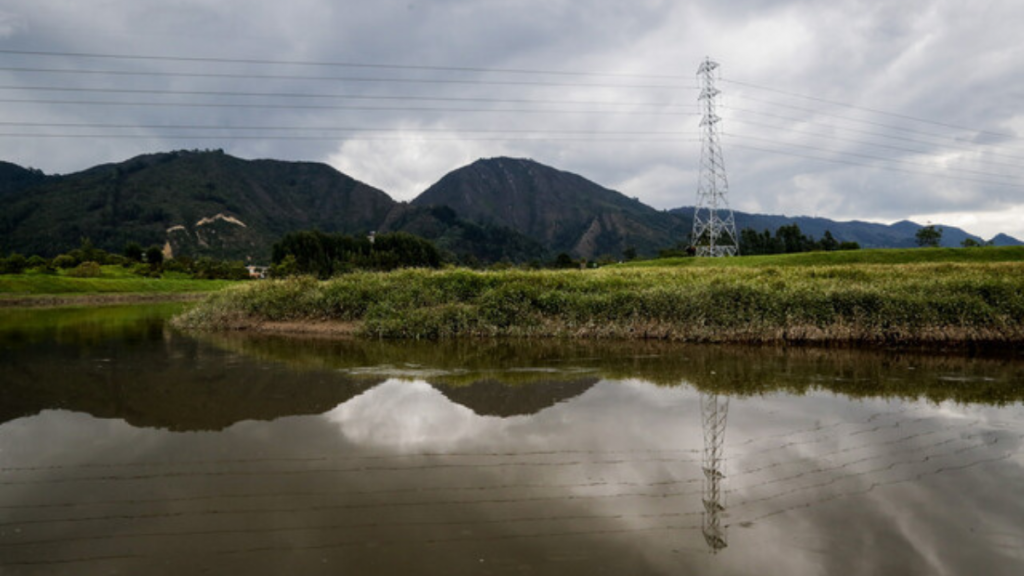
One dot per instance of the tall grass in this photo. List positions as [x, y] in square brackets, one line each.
[876, 303]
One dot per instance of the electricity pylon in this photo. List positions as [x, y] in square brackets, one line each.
[714, 410]
[714, 227]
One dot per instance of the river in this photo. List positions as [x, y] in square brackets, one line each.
[129, 448]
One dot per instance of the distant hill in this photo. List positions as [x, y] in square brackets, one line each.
[563, 211]
[468, 241]
[14, 178]
[195, 203]
[867, 234]
[1004, 240]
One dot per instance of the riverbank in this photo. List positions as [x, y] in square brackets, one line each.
[117, 299]
[947, 303]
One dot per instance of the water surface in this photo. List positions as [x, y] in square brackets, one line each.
[127, 448]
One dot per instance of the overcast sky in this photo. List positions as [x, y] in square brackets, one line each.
[873, 110]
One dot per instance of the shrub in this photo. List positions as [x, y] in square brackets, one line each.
[38, 263]
[154, 255]
[133, 251]
[65, 261]
[13, 264]
[86, 270]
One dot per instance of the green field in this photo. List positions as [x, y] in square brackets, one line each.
[113, 280]
[757, 299]
[877, 256]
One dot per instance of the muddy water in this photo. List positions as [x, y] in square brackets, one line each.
[126, 448]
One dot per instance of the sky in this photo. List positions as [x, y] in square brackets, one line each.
[849, 109]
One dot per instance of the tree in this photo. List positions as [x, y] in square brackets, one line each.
[828, 242]
[970, 243]
[792, 239]
[13, 264]
[88, 252]
[752, 243]
[629, 253]
[928, 236]
[154, 256]
[563, 260]
[65, 261]
[286, 267]
[133, 251]
[38, 262]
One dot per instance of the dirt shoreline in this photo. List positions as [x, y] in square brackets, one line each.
[56, 300]
[945, 339]
[319, 328]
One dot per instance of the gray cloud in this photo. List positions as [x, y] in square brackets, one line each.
[952, 64]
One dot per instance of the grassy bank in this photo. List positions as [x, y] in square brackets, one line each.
[880, 303]
[114, 284]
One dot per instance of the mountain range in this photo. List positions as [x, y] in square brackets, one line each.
[208, 203]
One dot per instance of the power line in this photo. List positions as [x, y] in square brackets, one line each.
[337, 107]
[336, 138]
[848, 119]
[865, 143]
[870, 157]
[957, 145]
[340, 129]
[874, 166]
[873, 110]
[361, 79]
[203, 59]
[339, 96]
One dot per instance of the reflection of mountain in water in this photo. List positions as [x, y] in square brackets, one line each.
[494, 398]
[134, 370]
[154, 379]
[175, 384]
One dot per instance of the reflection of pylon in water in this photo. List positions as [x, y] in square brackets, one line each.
[713, 411]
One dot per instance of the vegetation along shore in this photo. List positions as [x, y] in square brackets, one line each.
[110, 285]
[919, 297]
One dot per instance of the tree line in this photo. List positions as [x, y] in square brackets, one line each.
[325, 255]
[789, 239]
[86, 262]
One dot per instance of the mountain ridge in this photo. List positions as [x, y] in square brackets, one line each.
[564, 211]
[208, 203]
[900, 234]
[194, 203]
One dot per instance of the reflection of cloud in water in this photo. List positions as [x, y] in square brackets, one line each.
[413, 416]
[406, 415]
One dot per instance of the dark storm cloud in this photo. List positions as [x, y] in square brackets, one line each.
[950, 63]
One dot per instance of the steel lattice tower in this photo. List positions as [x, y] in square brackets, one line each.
[714, 410]
[714, 228]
